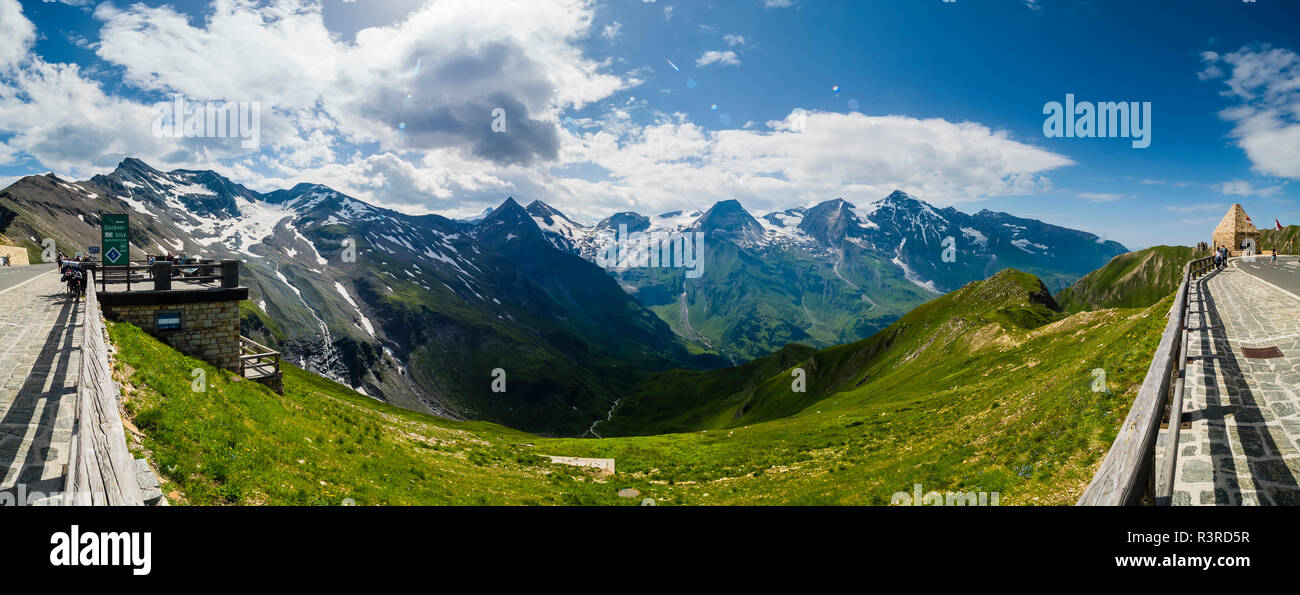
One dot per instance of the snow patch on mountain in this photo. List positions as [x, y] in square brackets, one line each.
[976, 236]
[909, 274]
[365, 322]
[1025, 245]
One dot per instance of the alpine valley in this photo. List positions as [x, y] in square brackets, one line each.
[430, 306]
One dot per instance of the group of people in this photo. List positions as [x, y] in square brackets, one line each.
[1221, 255]
[174, 258]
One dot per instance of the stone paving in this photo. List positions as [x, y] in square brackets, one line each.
[40, 356]
[1242, 448]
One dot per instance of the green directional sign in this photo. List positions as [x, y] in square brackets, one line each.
[116, 240]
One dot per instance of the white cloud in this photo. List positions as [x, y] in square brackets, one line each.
[16, 33]
[1102, 196]
[1244, 188]
[1151, 182]
[1193, 208]
[779, 3]
[734, 40]
[672, 163]
[727, 58]
[69, 124]
[612, 30]
[1210, 70]
[1266, 122]
[440, 71]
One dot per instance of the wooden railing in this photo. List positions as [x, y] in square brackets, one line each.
[257, 360]
[101, 470]
[1127, 476]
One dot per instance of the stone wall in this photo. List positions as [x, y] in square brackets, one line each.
[209, 330]
[17, 255]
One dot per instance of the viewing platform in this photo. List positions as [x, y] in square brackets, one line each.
[192, 306]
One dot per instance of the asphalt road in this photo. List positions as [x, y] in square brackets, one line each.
[14, 275]
[1286, 275]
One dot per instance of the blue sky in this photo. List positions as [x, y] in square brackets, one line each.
[942, 99]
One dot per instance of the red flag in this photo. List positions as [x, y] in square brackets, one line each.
[1279, 223]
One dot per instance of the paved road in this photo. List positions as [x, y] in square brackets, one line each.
[40, 355]
[1242, 446]
[12, 276]
[1285, 275]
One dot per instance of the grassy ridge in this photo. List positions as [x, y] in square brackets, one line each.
[1270, 239]
[686, 400]
[1133, 280]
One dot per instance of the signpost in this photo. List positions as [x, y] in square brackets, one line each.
[116, 240]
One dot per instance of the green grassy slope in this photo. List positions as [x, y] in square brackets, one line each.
[1132, 280]
[685, 400]
[240, 443]
[987, 389]
[762, 390]
[984, 398]
[256, 325]
[1270, 239]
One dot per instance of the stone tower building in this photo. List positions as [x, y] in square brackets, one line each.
[1234, 229]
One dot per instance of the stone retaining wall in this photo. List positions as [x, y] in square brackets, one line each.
[17, 255]
[209, 330]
